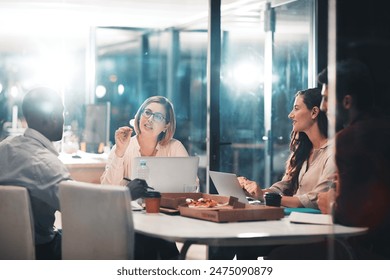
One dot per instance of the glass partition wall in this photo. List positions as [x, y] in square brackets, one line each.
[267, 54]
[258, 95]
[254, 127]
[32, 56]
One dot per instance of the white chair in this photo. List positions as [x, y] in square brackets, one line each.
[16, 224]
[97, 221]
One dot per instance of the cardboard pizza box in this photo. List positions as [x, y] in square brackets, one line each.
[223, 215]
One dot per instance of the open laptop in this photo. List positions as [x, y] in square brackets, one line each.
[227, 185]
[169, 174]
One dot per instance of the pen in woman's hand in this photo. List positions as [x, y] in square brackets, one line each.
[129, 180]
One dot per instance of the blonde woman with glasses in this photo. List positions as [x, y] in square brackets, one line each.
[154, 125]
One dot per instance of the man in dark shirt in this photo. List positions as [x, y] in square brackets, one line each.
[363, 160]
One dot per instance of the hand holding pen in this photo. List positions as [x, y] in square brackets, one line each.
[137, 187]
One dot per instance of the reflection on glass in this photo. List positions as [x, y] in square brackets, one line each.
[242, 85]
[41, 56]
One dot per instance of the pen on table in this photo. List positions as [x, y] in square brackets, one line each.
[129, 180]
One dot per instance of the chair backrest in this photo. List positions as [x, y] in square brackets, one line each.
[16, 224]
[97, 221]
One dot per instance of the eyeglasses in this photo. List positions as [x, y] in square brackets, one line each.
[157, 117]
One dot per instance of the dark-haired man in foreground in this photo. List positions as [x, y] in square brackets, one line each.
[362, 194]
[31, 161]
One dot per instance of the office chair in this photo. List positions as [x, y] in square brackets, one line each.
[97, 221]
[16, 224]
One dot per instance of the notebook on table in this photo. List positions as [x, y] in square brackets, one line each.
[227, 184]
[288, 210]
[311, 218]
[169, 174]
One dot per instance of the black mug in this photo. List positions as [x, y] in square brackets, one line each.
[273, 199]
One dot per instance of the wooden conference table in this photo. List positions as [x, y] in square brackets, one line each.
[276, 232]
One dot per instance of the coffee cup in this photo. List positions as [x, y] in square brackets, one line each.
[152, 201]
[273, 199]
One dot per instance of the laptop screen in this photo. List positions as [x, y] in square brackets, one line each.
[227, 185]
[169, 174]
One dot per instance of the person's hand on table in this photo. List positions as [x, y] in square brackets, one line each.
[326, 200]
[138, 188]
[122, 140]
[250, 188]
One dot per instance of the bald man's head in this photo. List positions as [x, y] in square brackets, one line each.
[43, 110]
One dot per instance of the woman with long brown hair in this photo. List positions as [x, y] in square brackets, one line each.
[310, 168]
